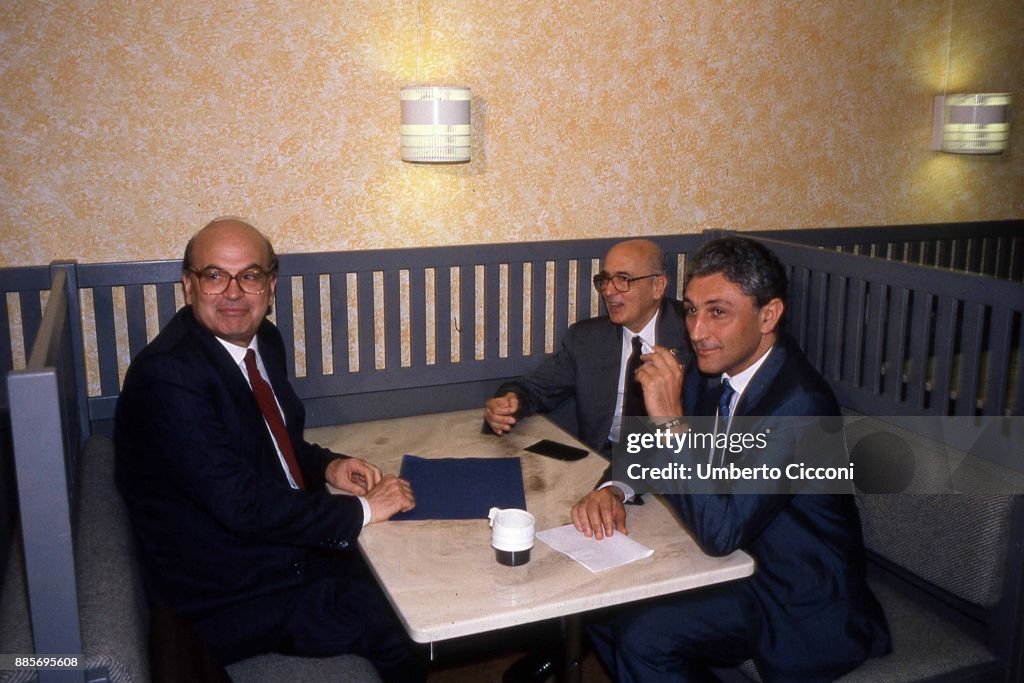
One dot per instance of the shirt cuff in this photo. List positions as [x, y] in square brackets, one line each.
[626, 489]
[366, 509]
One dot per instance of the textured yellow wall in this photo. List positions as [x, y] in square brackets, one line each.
[124, 126]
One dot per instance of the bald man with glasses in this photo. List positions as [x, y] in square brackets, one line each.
[241, 543]
[592, 362]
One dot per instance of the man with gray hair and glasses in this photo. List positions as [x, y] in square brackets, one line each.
[595, 362]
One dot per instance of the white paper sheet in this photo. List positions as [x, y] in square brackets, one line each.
[613, 551]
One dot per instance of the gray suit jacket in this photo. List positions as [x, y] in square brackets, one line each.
[586, 368]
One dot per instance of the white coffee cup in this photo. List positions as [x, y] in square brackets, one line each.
[512, 533]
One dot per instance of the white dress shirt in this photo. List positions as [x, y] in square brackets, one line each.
[238, 355]
[647, 336]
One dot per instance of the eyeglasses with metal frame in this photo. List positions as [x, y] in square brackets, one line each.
[619, 281]
[214, 281]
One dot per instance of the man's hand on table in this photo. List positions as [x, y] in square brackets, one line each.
[600, 513]
[352, 475]
[500, 412]
[391, 496]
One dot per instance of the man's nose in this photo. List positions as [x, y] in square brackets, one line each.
[234, 290]
[695, 326]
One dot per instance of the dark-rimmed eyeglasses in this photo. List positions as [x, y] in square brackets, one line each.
[619, 282]
[213, 281]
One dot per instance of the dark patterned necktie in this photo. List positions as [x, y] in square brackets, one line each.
[268, 406]
[723, 402]
[633, 393]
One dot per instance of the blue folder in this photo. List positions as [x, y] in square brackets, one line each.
[462, 488]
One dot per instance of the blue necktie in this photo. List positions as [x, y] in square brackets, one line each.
[723, 402]
[723, 416]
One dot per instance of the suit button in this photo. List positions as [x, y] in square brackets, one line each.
[343, 544]
[297, 568]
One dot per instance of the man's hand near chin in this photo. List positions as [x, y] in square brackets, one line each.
[600, 513]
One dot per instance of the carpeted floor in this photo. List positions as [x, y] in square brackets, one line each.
[491, 669]
[484, 658]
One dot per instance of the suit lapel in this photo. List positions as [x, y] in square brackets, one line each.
[606, 377]
[228, 371]
[757, 397]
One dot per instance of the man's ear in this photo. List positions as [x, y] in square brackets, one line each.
[660, 285]
[771, 315]
[186, 286]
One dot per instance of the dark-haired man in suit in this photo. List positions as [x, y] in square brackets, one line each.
[236, 530]
[807, 613]
[590, 365]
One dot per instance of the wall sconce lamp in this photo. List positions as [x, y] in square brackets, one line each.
[435, 124]
[978, 123]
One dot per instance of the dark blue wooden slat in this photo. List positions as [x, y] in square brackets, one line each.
[135, 311]
[516, 306]
[312, 327]
[898, 251]
[988, 257]
[795, 315]
[492, 311]
[912, 252]
[467, 313]
[584, 285]
[392, 319]
[817, 319]
[539, 320]
[876, 314]
[896, 343]
[671, 272]
[969, 359]
[443, 315]
[834, 333]
[165, 304]
[997, 374]
[1016, 260]
[106, 340]
[919, 349]
[1017, 361]
[365, 322]
[284, 317]
[418, 317]
[944, 352]
[339, 323]
[561, 299]
[853, 339]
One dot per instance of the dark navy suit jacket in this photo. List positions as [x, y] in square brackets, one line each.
[586, 368]
[808, 599]
[215, 517]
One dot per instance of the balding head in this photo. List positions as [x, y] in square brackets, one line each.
[226, 255]
[645, 253]
[639, 265]
[228, 225]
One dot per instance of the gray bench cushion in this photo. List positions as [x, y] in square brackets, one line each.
[951, 525]
[274, 668]
[925, 645]
[15, 632]
[112, 611]
[111, 601]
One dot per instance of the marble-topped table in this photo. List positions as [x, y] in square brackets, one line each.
[441, 575]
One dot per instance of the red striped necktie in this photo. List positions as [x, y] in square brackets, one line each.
[268, 406]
